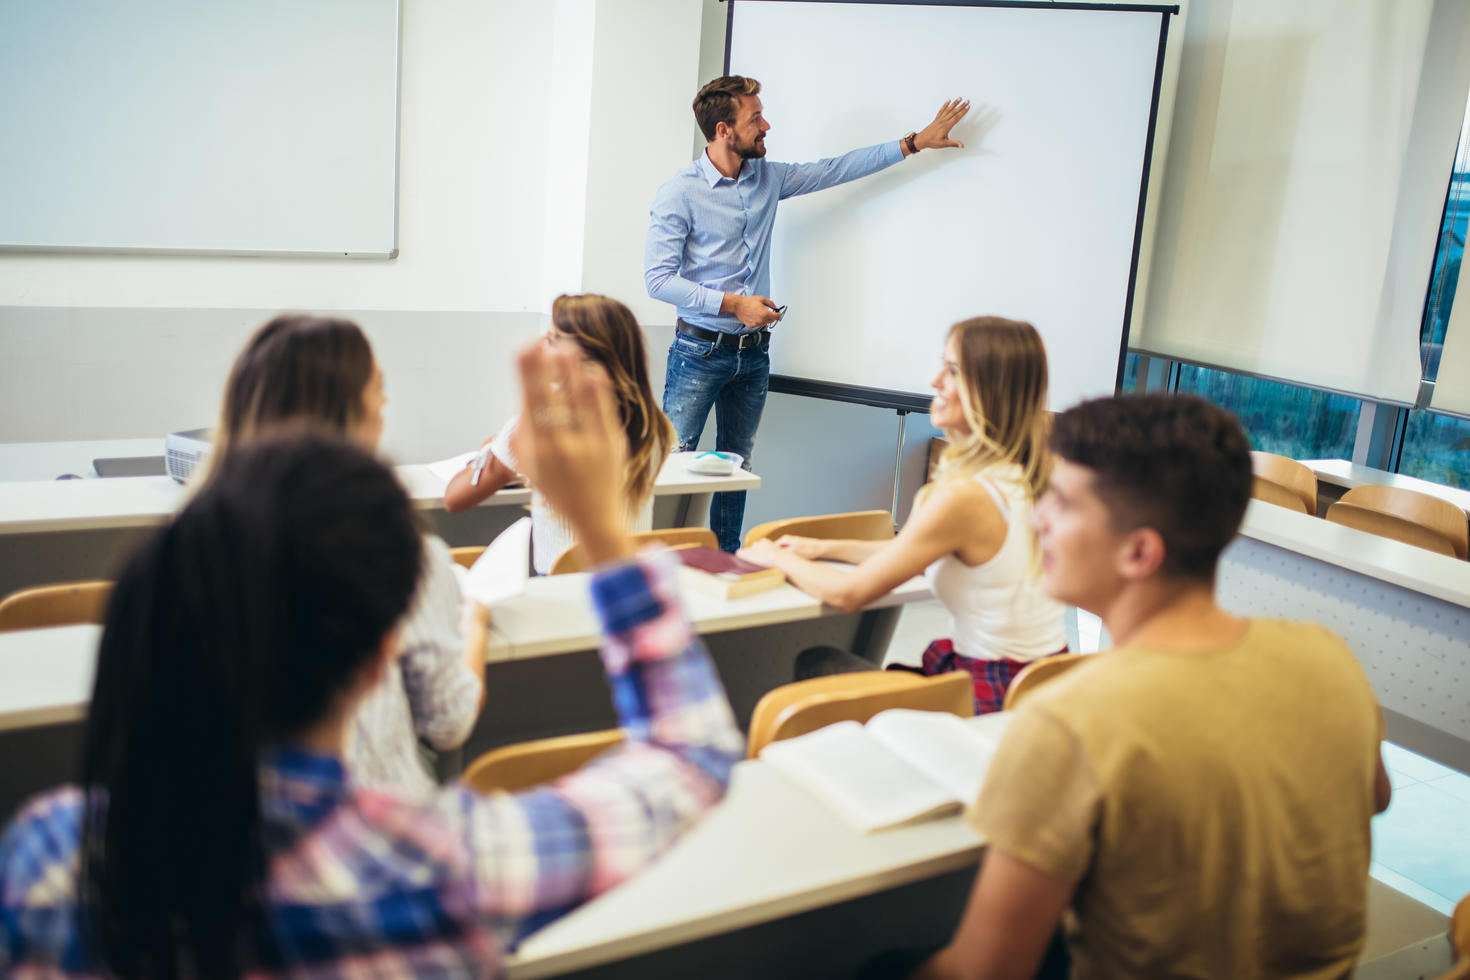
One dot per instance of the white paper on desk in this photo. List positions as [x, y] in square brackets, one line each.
[446, 469]
[503, 568]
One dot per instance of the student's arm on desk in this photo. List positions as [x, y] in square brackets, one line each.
[464, 491]
[958, 517]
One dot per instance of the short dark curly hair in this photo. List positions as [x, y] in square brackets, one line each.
[1176, 463]
[716, 102]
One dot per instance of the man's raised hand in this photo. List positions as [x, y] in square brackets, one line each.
[936, 134]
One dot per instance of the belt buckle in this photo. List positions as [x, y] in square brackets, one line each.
[751, 335]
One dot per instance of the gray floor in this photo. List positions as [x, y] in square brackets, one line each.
[1421, 844]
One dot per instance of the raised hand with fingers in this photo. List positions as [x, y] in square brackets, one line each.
[572, 448]
[936, 134]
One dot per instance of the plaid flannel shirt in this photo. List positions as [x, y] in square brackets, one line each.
[366, 882]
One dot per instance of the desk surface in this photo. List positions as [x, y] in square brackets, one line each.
[769, 850]
[46, 674]
[29, 506]
[555, 614]
[1342, 473]
[1381, 558]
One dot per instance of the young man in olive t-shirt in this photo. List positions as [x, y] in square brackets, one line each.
[1196, 801]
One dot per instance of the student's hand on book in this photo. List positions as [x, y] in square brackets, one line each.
[762, 552]
[572, 449]
[936, 134]
[808, 548]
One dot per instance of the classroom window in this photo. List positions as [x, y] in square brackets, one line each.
[1436, 446]
[1130, 375]
[1302, 423]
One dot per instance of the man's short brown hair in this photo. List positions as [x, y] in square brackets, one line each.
[1175, 463]
[716, 102]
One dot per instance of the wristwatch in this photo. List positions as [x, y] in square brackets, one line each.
[908, 141]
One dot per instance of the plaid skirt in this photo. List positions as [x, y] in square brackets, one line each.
[989, 678]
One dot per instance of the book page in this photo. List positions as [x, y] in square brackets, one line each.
[503, 568]
[448, 469]
[945, 747]
[866, 784]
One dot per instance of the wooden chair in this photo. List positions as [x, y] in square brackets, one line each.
[804, 706]
[1459, 937]
[574, 559]
[863, 525]
[1037, 673]
[466, 555]
[525, 764]
[1405, 515]
[55, 605]
[1278, 478]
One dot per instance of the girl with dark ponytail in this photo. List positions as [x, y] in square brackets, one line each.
[216, 832]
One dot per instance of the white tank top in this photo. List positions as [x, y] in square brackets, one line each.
[997, 609]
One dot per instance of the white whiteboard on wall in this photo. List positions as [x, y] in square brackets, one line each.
[1037, 218]
[249, 126]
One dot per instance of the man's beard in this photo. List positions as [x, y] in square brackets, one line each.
[751, 151]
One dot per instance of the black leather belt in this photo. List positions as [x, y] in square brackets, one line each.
[739, 341]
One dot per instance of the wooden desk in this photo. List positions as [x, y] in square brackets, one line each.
[58, 531]
[1405, 612]
[768, 852]
[1346, 475]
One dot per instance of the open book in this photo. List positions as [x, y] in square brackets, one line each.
[903, 766]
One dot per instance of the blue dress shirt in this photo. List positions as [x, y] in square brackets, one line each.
[709, 235]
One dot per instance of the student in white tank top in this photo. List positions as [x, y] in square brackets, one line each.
[969, 531]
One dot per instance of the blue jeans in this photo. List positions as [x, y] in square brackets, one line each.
[733, 381]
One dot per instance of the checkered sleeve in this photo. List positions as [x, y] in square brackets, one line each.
[542, 852]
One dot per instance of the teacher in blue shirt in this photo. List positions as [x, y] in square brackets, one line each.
[709, 254]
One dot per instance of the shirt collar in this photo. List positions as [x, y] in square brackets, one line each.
[707, 169]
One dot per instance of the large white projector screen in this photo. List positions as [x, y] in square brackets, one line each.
[238, 126]
[1037, 218]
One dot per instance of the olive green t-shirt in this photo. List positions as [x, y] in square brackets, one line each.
[1212, 807]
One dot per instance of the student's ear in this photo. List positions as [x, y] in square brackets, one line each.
[1142, 554]
[722, 132]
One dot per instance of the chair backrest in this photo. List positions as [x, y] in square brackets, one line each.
[1429, 512]
[804, 706]
[574, 559]
[55, 605]
[1389, 526]
[1287, 474]
[1037, 673]
[1274, 493]
[525, 764]
[1459, 937]
[863, 525]
[467, 555]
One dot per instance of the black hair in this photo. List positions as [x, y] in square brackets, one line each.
[235, 627]
[1176, 463]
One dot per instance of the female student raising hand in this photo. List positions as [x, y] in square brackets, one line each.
[216, 832]
[969, 530]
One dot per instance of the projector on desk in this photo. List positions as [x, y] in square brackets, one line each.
[183, 451]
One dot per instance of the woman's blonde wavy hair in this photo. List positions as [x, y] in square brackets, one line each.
[1002, 380]
[608, 334]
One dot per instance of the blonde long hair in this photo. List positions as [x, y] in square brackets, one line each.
[608, 334]
[1002, 375]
